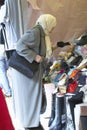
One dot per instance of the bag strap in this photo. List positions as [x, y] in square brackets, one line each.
[4, 35]
[38, 26]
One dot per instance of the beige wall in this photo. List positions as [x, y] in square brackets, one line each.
[71, 17]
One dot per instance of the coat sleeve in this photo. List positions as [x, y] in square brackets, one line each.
[28, 44]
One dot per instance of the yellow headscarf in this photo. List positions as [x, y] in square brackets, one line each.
[47, 21]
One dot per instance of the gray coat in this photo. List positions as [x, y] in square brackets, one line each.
[27, 93]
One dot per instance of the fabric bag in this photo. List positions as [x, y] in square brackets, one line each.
[9, 53]
[4, 40]
[22, 65]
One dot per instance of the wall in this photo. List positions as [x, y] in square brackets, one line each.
[71, 17]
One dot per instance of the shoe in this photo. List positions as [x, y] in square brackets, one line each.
[35, 128]
[76, 61]
[62, 44]
[62, 80]
[27, 129]
[9, 94]
[84, 89]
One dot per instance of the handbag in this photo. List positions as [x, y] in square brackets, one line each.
[8, 51]
[22, 65]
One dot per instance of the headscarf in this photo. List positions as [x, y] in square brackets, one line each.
[47, 22]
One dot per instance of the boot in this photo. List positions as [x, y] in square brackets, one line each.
[53, 110]
[59, 122]
[44, 103]
[49, 88]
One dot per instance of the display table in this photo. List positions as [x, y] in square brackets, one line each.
[79, 112]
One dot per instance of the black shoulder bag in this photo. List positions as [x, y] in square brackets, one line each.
[22, 65]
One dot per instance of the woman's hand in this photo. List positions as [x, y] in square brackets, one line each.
[38, 58]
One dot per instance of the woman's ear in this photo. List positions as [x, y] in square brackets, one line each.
[34, 4]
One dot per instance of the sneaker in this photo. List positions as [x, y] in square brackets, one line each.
[8, 94]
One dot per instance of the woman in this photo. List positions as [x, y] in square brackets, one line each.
[27, 93]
